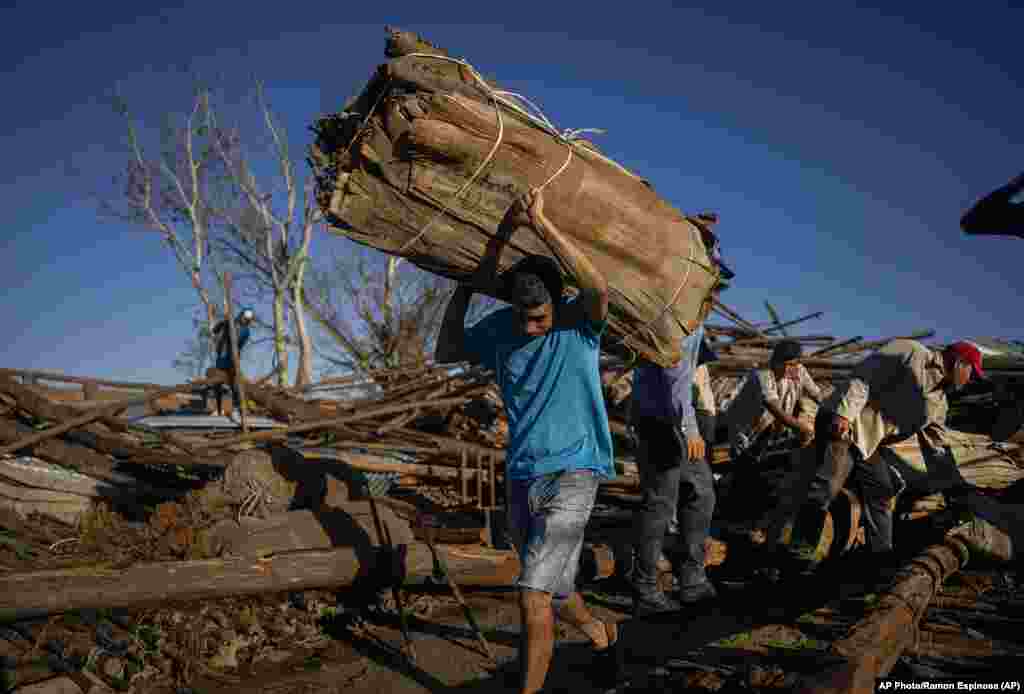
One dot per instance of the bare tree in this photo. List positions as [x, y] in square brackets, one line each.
[269, 234]
[203, 197]
[378, 314]
[179, 194]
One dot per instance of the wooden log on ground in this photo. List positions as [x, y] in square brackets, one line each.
[41, 593]
[56, 479]
[68, 455]
[875, 643]
[94, 436]
[425, 163]
[82, 420]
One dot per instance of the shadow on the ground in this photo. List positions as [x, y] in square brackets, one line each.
[643, 643]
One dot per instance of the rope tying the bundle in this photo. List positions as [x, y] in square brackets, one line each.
[497, 98]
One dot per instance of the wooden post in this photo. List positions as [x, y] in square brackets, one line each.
[90, 391]
[237, 371]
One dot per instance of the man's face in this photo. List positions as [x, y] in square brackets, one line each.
[537, 321]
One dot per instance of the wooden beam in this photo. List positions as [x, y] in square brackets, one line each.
[283, 433]
[872, 647]
[58, 377]
[91, 416]
[41, 593]
[780, 326]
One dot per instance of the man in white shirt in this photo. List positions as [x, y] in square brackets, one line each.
[895, 393]
[766, 404]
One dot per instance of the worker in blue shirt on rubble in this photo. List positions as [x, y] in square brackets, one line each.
[225, 363]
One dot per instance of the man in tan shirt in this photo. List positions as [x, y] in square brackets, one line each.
[895, 393]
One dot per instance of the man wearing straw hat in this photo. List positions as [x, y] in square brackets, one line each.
[895, 393]
[545, 353]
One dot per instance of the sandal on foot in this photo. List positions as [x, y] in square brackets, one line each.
[611, 632]
[607, 667]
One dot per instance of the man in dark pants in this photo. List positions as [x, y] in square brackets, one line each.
[896, 392]
[674, 475]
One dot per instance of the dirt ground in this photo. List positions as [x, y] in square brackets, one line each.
[326, 641]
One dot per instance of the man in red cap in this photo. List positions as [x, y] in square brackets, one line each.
[895, 393]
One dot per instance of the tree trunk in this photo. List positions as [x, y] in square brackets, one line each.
[280, 337]
[40, 593]
[304, 374]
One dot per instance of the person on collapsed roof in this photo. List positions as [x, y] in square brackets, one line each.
[544, 351]
[224, 361]
[675, 477]
[897, 392]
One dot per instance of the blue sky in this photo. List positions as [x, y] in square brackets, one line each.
[839, 143]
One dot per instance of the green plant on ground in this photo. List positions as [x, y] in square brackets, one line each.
[803, 643]
[21, 549]
[735, 641]
[149, 637]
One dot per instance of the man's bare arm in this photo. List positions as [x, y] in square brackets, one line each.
[593, 285]
[451, 340]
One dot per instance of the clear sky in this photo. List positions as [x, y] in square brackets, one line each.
[840, 144]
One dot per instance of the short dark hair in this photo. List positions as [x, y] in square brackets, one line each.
[543, 270]
[528, 291]
[787, 350]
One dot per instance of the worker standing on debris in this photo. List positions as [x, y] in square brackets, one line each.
[225, 362]
[675, 476]
[764, 411]
[897, 392]
[544, 351]
[997, 213]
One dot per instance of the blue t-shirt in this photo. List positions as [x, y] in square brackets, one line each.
[224, 360]
[551, 386]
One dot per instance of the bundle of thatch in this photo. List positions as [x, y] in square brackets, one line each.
[427, 160]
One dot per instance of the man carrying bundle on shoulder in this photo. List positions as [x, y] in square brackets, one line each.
[544, 351]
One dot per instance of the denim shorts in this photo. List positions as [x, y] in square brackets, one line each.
[547, 516]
